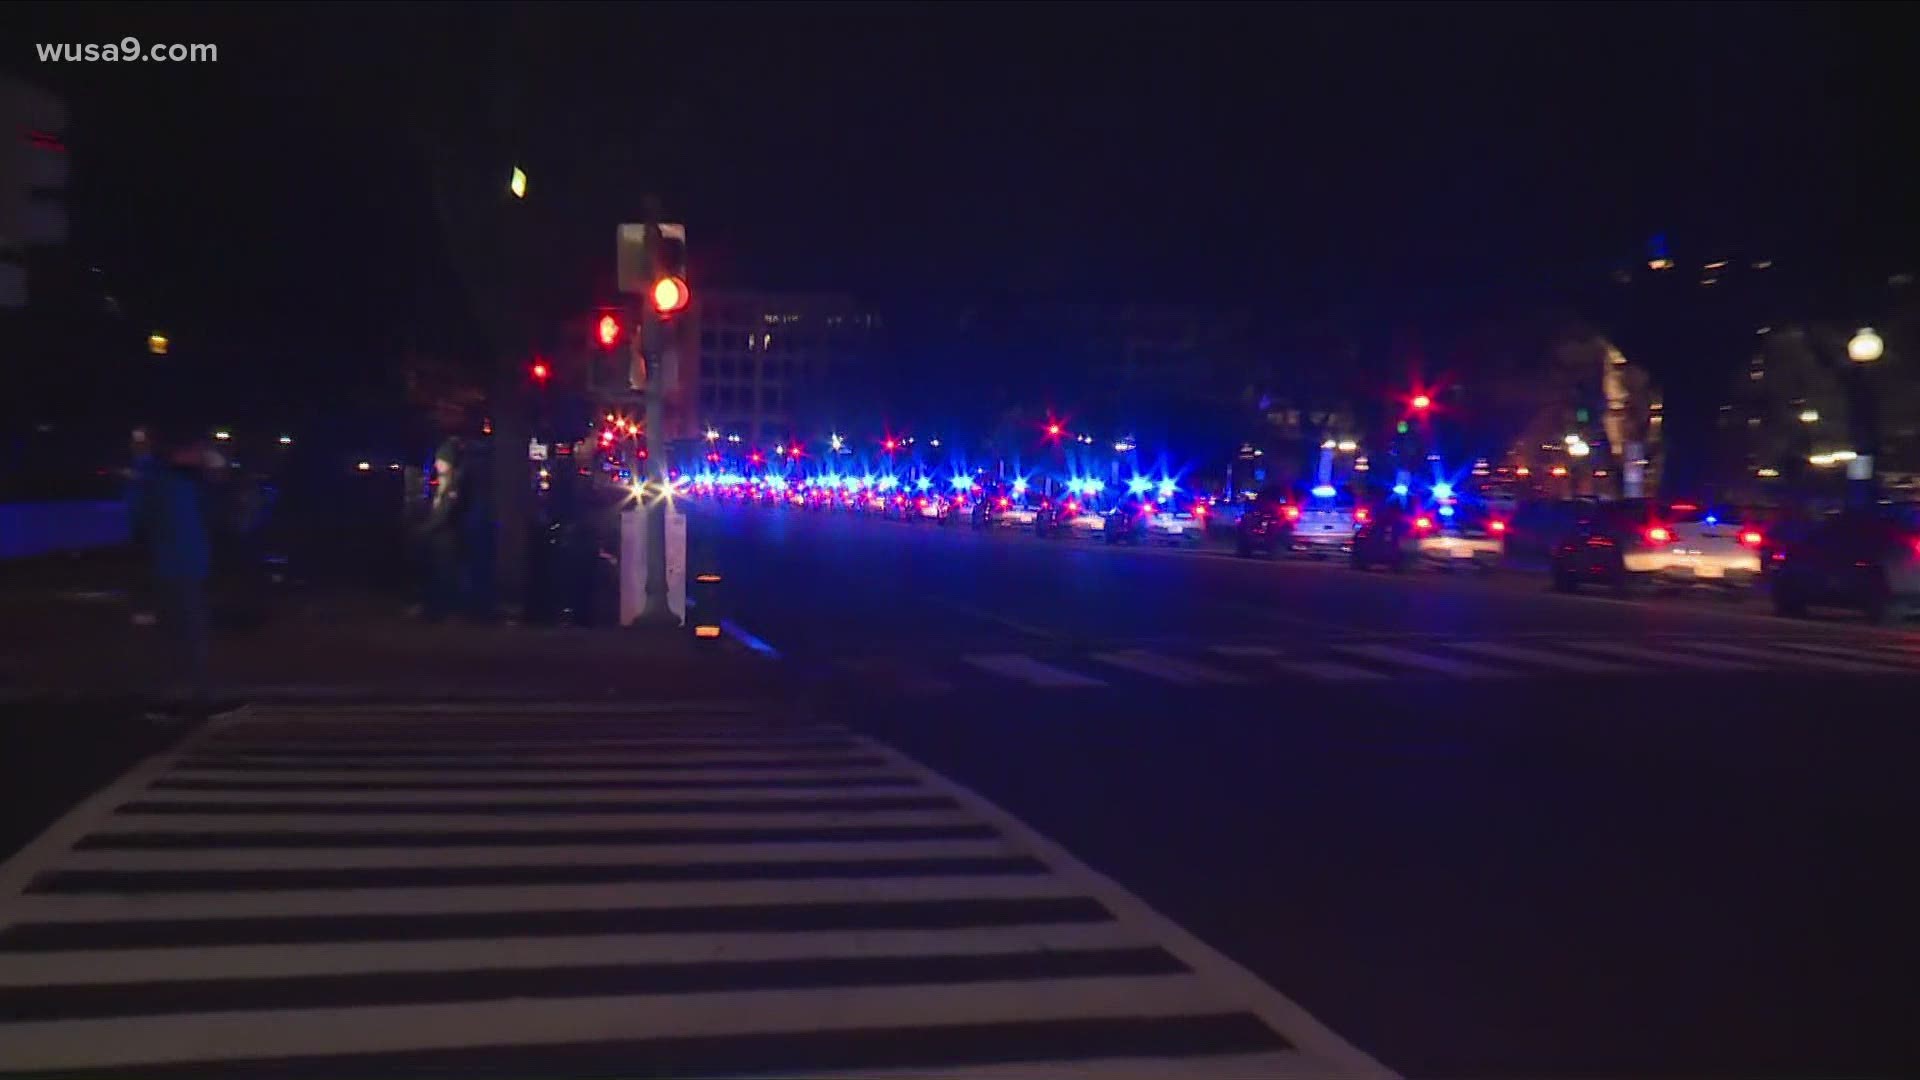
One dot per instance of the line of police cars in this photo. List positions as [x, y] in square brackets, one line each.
[1865, 559]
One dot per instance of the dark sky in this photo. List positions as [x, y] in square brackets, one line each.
[1291, 155]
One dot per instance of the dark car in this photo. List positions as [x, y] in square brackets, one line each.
[1266, 526]
[1388, 536]
[1604, 537]
[1127, 521]
[1868, 560]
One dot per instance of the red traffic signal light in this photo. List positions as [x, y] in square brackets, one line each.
[1053, 429]
[1422, 402]
[670, 295]
[540, 371]
[890, 445]
[608, 330]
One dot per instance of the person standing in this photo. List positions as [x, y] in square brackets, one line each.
[173, 516]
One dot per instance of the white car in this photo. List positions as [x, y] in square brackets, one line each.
[1173, 527]
[1323, 530]
[1465, 541]
[1689, 546]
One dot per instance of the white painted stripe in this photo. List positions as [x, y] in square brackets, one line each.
[1657, 657]
[481, 711]
[1277, 1065]
[823, 776]
[1330, 670]
[1778, 656]
[1440, 665]
[1023, 668]
[556, 855]
[427, 800]
[1229, 981]
[1543, 657]
[227, 823]
[345, 746]
[1246, 652]
[445, 900]
[1892, 661]
[360, 957]
[1169, 668]
[127, 1042]
[625, 759]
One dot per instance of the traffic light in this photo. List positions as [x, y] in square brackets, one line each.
[607, 330]
[540, 371]
[670, 295]
[1422, 402]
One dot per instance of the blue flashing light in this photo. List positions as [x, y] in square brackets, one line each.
[1442, 489]
[1325, 491]
[1138, 485]
[1167, 488]
[1400, 489]
[777, 483]
[1020, 486]
[961, 483]
[1446, 511]
[1713, 519]
[1095, 487]
[888, 483]
[923, 483]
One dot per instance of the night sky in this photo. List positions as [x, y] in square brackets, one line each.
[273, 209]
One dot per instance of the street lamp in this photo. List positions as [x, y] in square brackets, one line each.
[1865, 346]
[517, 183]
[1347, 446]
[1809, 416]
[712, 435]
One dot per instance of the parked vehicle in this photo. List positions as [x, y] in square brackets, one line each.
[1867, 560]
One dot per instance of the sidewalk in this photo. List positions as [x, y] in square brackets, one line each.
[66, 635]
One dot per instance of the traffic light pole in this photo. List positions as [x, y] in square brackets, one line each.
[653, 503]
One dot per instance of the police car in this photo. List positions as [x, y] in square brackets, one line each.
[1323, 526]
[1459, 537]
[1689, 545]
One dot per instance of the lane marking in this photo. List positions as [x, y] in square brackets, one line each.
[1543, 657]
[351, 858]
[1440, 665]
[1892, 660]
[1023, 668]
[458, 823]
[1247, 652]
[1232, 981]
[167, 964]
[1330, 670]
[1777, 656]
[1167, 668]
[512, 899]
[129, 1042]
[1658, 657]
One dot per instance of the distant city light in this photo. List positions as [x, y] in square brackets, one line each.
[1422, 402]
[1766, 473]
[935, 443]
[836, 441]
[158, 344]
[711, 434]
[1660, 264]
[1328, 445]
[1809, 416]
[365, 466]
[1559, 470]
[286, 440]
[1579, 449]
[223, 435]
[517, 183]
[1347, 446]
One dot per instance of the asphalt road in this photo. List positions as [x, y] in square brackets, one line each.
[1475, 827]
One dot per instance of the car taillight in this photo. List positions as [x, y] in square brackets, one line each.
[1361, 516]
[1199, 509]
[924, 504]
[1292, 513]
[1497, 526]
[1423, 523]
[1751, 538]
[1073, 508]
[1005, 502]
[1659, 534]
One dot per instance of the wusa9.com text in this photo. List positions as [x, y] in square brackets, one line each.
[128, 48]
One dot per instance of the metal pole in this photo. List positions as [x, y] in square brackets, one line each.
[654, 500]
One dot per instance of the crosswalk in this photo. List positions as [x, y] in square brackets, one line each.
[544, 892]
[1228, 664]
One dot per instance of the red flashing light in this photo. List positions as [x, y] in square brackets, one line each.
[1497, 526]
[1659, 534]
[1292, 513]
[1422, 402]
[540, 371]
[890, 446]
[1362, 515]
[1423, 523]
[1073, 507]
[1199, 509]
[1053, 430]
[608, 330]
[1751, 537]
[924, 503]
[1005, 502]
[670, 295]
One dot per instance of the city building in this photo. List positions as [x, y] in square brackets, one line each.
[774, 366]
